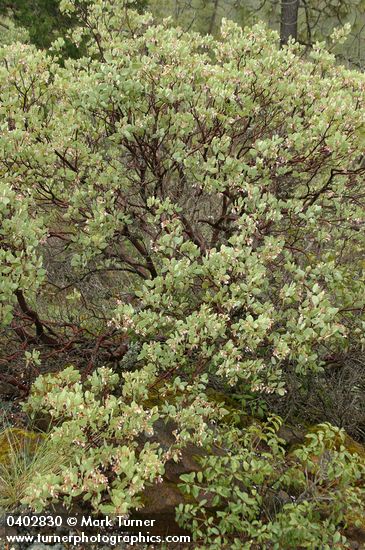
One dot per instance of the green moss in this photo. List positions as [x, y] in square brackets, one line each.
[354, 447]
[235, 416]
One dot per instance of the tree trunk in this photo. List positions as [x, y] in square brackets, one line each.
[289, 20]
[213, 17]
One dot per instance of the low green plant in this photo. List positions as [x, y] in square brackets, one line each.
[258, 496]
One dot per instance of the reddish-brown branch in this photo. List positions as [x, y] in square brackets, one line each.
[13, 382]
[41, 335]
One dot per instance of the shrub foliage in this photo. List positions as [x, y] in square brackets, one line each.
[192, 201]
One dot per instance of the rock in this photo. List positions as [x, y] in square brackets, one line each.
[354, 447]
[161, 498]
[292, 435]
[356, 535]
[188, 463]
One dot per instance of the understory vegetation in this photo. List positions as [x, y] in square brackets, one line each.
[182, 270]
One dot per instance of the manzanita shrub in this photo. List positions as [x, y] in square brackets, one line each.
[11, 32]
[190, 202]
[211, 188]
[101, 432]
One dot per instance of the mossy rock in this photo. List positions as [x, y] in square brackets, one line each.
[293, 436]
[14, 440]
[354, 447]
[235, 415]
[161, 498]
[154, 399]
[356, 529]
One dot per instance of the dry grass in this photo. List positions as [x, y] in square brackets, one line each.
[23, 455]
